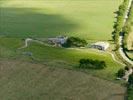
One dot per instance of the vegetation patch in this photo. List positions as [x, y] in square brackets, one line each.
[75, 42]
[130, 92]
[119, 22]
[130, 87]
[127, 74]
[121, 73]
[91, 64]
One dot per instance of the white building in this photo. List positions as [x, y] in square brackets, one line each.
[100, 45]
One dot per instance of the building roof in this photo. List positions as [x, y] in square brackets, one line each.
[103, 44]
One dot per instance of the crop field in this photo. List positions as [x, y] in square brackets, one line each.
[28, 81]
[90, 19]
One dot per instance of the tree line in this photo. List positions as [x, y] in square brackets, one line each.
[119, 22]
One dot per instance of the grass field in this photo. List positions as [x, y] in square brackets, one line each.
[130, 41]
[28, 81]
[51, 79]
[90, 19]
[60, 57]
[130, 45]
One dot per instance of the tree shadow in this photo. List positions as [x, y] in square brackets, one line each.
[27, 22]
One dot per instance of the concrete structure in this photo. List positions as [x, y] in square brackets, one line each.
[127, 74]
[100, 45]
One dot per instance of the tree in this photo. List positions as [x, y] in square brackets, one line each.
[91, 64]
[130, 80]
[127, 68]
[75, 42]
[120, 73]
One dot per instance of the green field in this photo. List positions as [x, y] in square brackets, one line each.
[20, 80]
[130, 39]
[130, 45]
[51, 73]
[90, 19]
[60, 57]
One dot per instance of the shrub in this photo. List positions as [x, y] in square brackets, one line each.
[127, 68]
[91, 64]
[120, 73]
[75, 42]
[130, 80]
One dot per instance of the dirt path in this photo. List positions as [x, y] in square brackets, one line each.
[29, 40]
[113, 57]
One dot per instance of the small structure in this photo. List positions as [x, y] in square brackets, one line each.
[27, 53]
[127, 74]
[100, 45]
[58, 40]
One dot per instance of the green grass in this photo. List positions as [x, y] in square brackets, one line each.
[59, 57]
[130, 54]
[71, 57]
[87, 19]
[130, 92]
[130, 38]
[130, 44]
[20, 80]
[90, 19]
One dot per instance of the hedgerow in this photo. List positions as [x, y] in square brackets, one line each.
[119, 22]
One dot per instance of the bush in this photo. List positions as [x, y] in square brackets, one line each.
[130, 88]
[75, 42]
[130, 80]
[120, 73]
[91, 64]
[127, 68]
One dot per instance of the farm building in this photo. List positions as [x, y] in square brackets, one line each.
[57, 40]
[100, 45]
